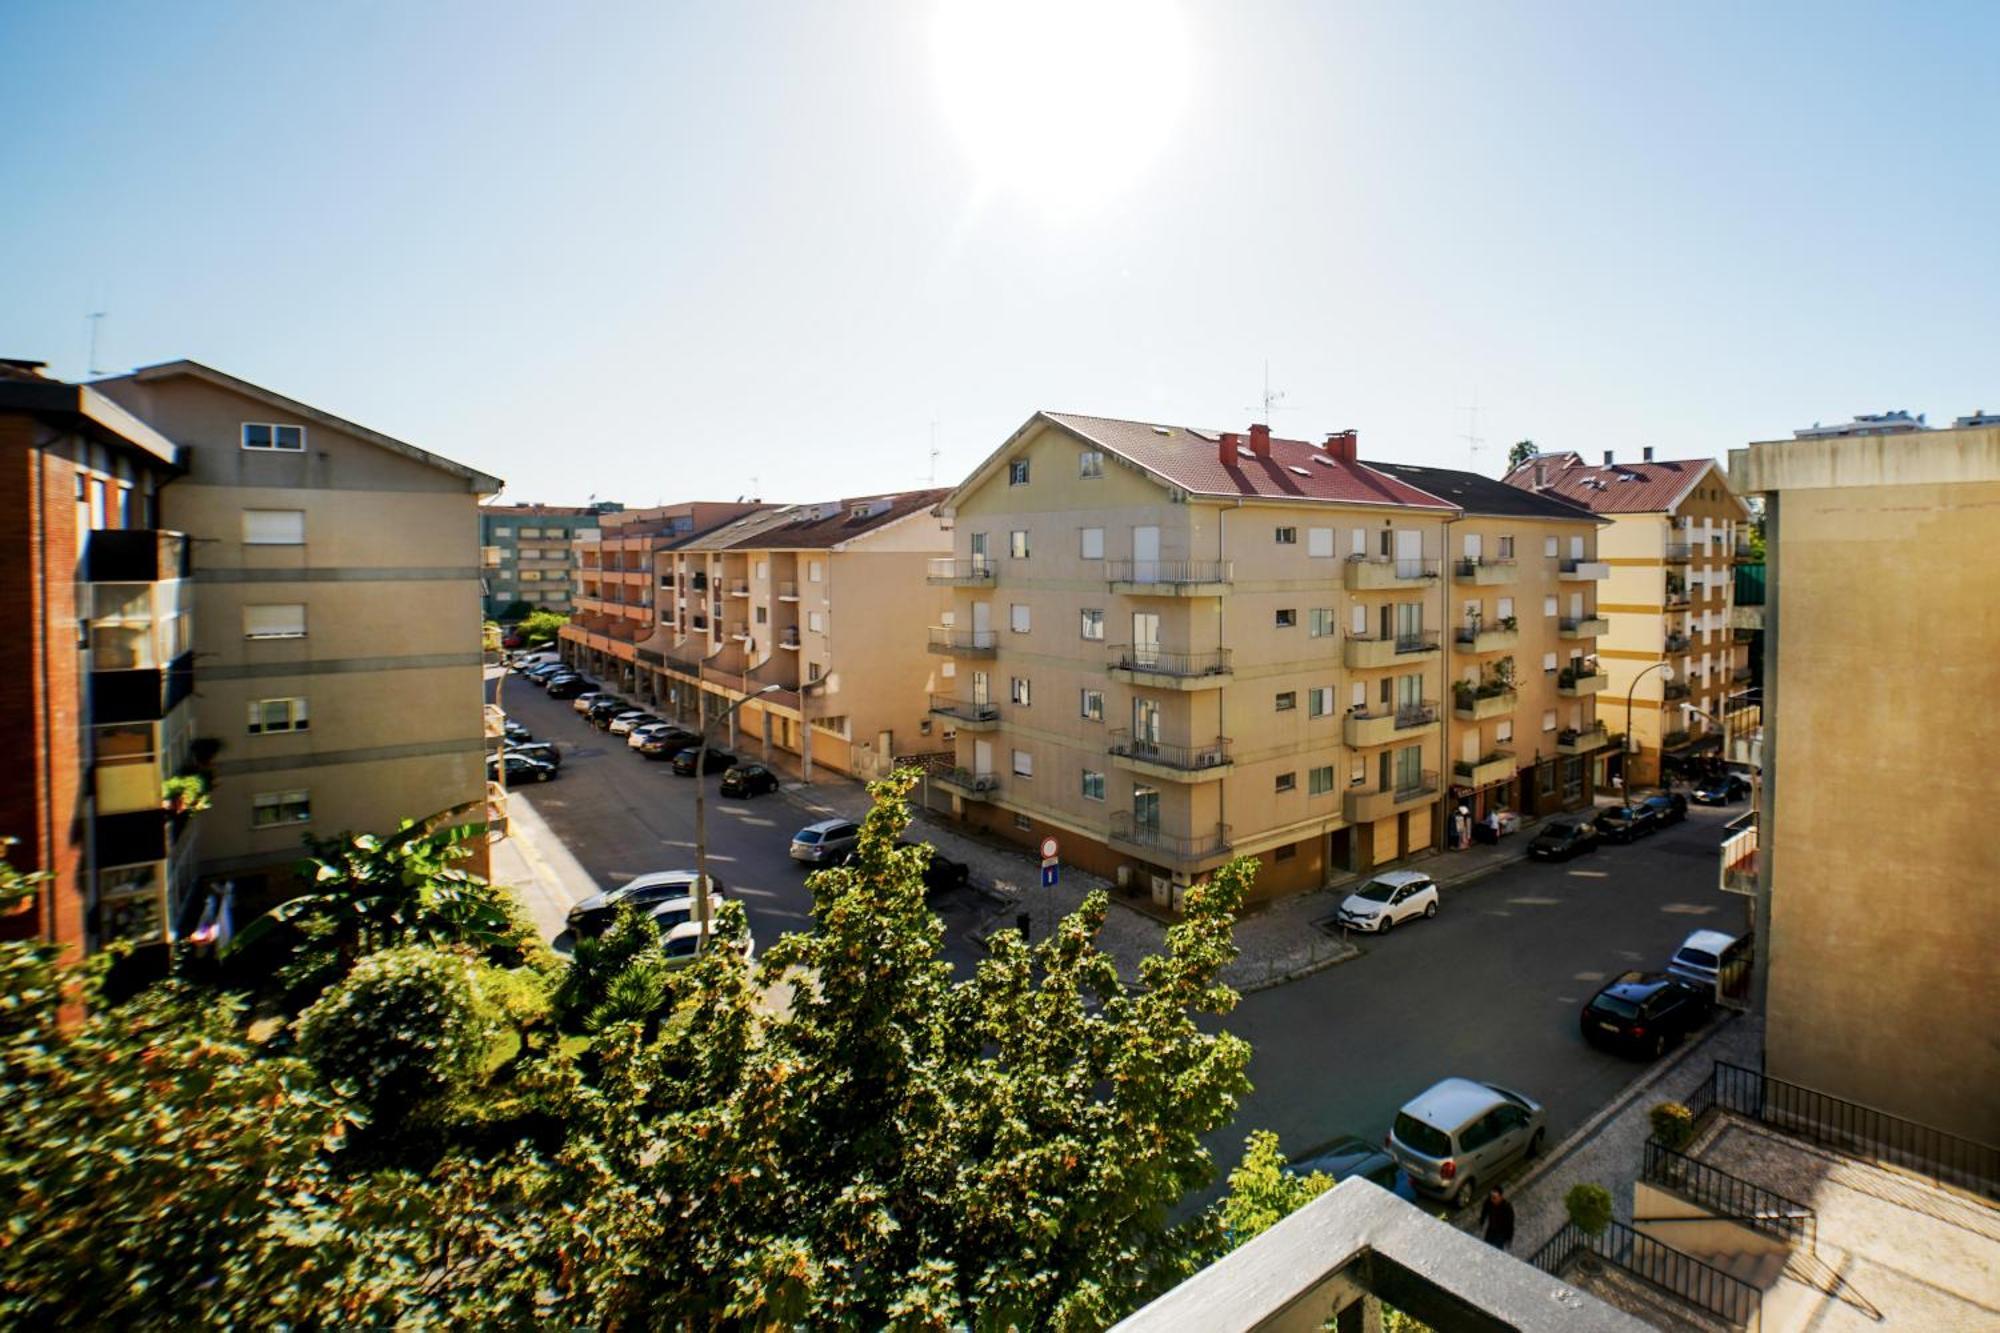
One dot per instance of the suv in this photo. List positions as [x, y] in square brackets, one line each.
[594, 915]
[589, 698]
[599, 714]
[749, 780]
[1644, 1012]
[826, 843]
[1668, 809]
[1461, 1134]
[1725, 790]
[622, 724]
[567, 687]
[1624, 823]
[1713, 960]
[1560, 839]
[666, 742]
[718, 761]
[1390, 897]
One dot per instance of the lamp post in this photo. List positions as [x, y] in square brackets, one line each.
[701, 898]
[1667, 671]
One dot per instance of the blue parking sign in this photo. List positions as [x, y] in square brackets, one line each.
[1048, 877]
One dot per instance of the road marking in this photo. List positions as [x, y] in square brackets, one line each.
[1591, 874]
[1687, 909]
[1588, 976]
[1536, 902]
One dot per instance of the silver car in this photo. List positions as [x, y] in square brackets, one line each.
[1462, 1135]
[826, 843]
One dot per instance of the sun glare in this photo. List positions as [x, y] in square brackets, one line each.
[1063, 102]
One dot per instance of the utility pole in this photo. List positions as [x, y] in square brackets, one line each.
[702, 910]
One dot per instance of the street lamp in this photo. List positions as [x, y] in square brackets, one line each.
[1667, 674]
[701, 905]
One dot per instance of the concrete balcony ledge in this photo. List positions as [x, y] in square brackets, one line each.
[1174, 850]
[1375, 573]
[949, 573]
[1495, 638]
[1678, 553]
[1170, 578]
[964, 714]
[1160, 669]
[1476, 706]
[1485, 572]
[964, 642]
[1577, 685]
[1363, 729]
[1363, 651]
[1499, 766]
[1365, 807]
[1676, 689]
[1579, 570]
[1586, 741]
[1175, 763]
[969, 785]
[1582, 627]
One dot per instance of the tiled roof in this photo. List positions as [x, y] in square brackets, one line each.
[803, 527]
[1616, 488]
[1296, 470]
[1477, 494]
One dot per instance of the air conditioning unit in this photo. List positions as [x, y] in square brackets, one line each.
[1163, 892]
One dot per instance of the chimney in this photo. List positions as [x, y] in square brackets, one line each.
[1225, 449]
[1648, 454]
[1342, 444]
[1260, 440]
[1608, 460]
[1541, 474]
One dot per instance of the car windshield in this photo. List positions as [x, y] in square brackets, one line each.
[673, 916]
[1615, 1004]
[1559, 830]
[1378, 892]
[809, 835]
[1414, 1133]
[680, 948]
[1695, 958]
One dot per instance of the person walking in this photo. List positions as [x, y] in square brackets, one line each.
[1498, 1215]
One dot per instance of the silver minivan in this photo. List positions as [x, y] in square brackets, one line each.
[1462, 1135]
[1714, 960]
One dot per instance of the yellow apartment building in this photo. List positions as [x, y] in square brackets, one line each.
[336, 617]
[1876, 913]
[1174, 646]
[1674, 659]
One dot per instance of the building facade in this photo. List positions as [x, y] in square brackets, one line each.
[527, 554]
[336, 612]
[1874, 855]
[1677, 664]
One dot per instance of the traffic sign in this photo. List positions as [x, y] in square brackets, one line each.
[1048, 849]
[1049, 872]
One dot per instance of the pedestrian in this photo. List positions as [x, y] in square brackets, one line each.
[1498, 1215]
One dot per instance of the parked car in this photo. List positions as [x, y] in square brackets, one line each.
[685, 941]
[1667, 809]
[594, 915]
[1725, 790]
[1714, 960]
[1391, 897]
[749, 780]
[1644, 1013]
[1624, 823]
[1461, 1135]
[940, 871]
[667, 744]
[622, 724]
[542, 750]
[639, 734]
[520, 768]
[1350, 1156]
[1560, 839]
[601, 713]
[826, 843]
[719, 761]
[567, 688]
[517, 734]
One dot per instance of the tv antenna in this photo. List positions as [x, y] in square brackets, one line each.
[1273, 400]
[1474, 441]
[94, 319]
[934, 453]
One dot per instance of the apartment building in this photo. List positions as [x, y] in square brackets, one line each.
[1882, 661]
[1173, 646]
[336, 617]
[527, 554]
[1675, 661]
[97, 712]
[1521, 660]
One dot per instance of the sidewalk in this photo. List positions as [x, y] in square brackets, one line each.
[533, 862]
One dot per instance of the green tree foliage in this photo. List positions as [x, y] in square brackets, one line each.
[516, 610]
[406, 1026]
[1521, 452]
[1263, 1193]
[540, 627]
[1589, 1206]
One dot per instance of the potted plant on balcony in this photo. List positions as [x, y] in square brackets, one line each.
[1464, 694]
[1508, 623]
[1589, 1207]
[185, 793]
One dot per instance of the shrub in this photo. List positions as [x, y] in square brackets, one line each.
[1673, 1125]
[1589, 1206]
[404, 1026]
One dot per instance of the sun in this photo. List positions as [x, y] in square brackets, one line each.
[1062, 102]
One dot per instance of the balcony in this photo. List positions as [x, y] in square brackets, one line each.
[739, 632]
[739, 588]
[1361, 652]
[788, 591]
[1476, 703]
[1677, 553]
[1365, 807]
[1176, 763]
[789, 641]
[1378, 573]
[1678, 739]
[136, 555]
[978, 572]
[1484, 572]
[1495, 766]
[140, 694]
[963, 642]
[969, 785]
[1169, 849]
[1677, 597]
[1581, 570]
[1582, 627]
[1675, 689]
[1498, 637]
[964, 714]
[1587, 740]
[1575, 683]
[1740, 675]
[1362, 729]
[1739, 862]
[1675, 644]
[1170, 578]
[1159, 669]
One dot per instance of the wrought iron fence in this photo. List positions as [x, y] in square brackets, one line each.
[1730, 1197]
[1660, 1265]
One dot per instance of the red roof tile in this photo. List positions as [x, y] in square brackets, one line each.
[1616, 488]
[840, 524]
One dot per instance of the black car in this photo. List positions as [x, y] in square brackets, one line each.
[542, 750]
[1623, 823]
[1560, 839]
[1643, 1013]
[1725, 790]
[941, 872]
[1348, 1156]
[568, 687]
[521, 769]
[667, 744]
[600, 713]
[719, 761]
[1666, 809]
[518, 734]
[594, 915]
[749, 780]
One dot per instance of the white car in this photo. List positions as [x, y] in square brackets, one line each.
[684, 941]
[622, 724]
[1392, 897]
[645, 731]
[583, 701]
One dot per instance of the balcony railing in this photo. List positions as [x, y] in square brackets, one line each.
[1485, 571]
[1162, 662]
[1169, 575]
[1739, 674]
[1169, 846]
[1365, 806]
[1361, 651]
[1473, 703]
[975, 786]
[135, 555]
[1582, 627]
[1730, 1299]
[1730, 1197]
[788, 591]
[1580, 568]
[1676, 643]
[1487, 637]
[739, 588]
[1494, 766]
[1678, 553]
[1739, 862]
[789, 639]
[1585, 740]
[1164, 754]
[964, 642]
[977, 572]
[1676, 689]
[1373, 572]
[964, 710]
[1361, 728]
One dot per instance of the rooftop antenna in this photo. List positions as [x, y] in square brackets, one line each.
[94, 319]
[934, 452]
[1273, 399]
[1474, 441]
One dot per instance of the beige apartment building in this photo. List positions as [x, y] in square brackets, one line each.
[1874, 881]
[1671, 650]
[336, 617]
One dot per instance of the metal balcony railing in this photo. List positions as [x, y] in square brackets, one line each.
[1676, 689]
[1161, 662]
[1570, 624]
[979, 569]
[1676, 643]
[1417, 641]
[1471, 565]
[1175, 846]
[967, 781]
[1185, 758]
[1699, 1284]
[1169, 572]
[1730, 1196]
[1420, 714]
[1678, 553]
[950, 705]
[962, 640]
[1411, 567]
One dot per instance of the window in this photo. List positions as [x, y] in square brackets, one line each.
[1285, 853]
[1319, 781]
[1017, 617]
[1092, 543]
[1019, 690]
[1549, 720]
[1549, 546]
[763, 616]
[1288, 782]
[1024, 763]
[289, 439]
[1287, 617]
[763, 571]
[1286, 536]
[274, 527]
[1319, 701]
[1091, 705]
[1093, 623]
[1506, 548]
[1319, 542]
[1017, 472]
[531, 532]
[274, 715]
[1089, 464]
[1093, 786]
[283, 621]
[1549, 606]
[814, 571]
[1503, 730]
[1506, 608]
[812, 671]
[1017, 544]
[1320, 622]
[1286, 701]
[816, 621]
[271, 808]
[1548, 663]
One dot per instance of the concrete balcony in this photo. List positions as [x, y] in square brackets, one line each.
[1674, 644]
[1499, 637]
[1476, 704]
[1589, 740]
[978, 572]
[789, 641]
[1362, 730]
[964, 714]
[1162, 670]
[968, 785]
[1582, 627]
[1497, 766]
[1581, 570]
[1361, 652]
[1677, 553]
[1675, 689]
[1578, 684]
[963, 642]
[1380, 573]
[1175, 850]
[1740, 674]
[788, 592]
[1170, 578]
[1739, 862]
[1174, 763]
[1365, 807]
[1484, 572]
[739, 588]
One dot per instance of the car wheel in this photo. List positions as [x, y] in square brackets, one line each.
[1659, 1044]
[1430, 909]
[1387, 924]
[1535, 1146]
[1468, 1190]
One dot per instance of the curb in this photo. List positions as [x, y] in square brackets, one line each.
[1301, 973]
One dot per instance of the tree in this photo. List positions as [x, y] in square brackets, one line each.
[1522, 451]
[1263, 1193]
[541, 626]
[405, 1026]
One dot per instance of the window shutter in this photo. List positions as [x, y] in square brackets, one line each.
[274, 622]
[274, 527]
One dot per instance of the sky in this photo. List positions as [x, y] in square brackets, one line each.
[652, 252]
